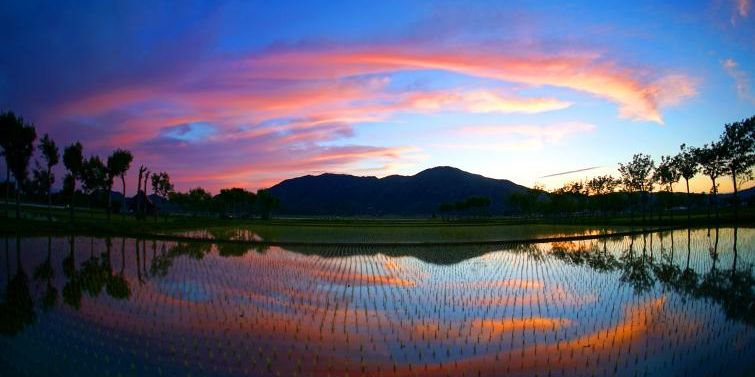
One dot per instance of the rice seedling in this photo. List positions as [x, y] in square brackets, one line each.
[673, 302]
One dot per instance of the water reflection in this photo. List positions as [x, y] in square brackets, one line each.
[668, 303]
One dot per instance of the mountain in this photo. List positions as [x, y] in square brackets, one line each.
[420, 194]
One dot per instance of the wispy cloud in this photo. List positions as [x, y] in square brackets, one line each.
[741, 79]
[638, 97]
[740, 9]
[743, 7]
[251, 118]
[521, 137]
[554, 132]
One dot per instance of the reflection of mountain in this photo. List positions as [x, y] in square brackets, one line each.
[632, 259]
[534, 308]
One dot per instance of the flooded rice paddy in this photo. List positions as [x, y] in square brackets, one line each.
[661, 304]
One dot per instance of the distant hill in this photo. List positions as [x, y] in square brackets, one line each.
[420, 194]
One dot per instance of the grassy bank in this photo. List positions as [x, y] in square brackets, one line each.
[345, 230]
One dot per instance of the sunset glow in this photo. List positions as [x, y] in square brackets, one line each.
[251, 93]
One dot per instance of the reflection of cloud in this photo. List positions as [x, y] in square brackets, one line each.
[741, 78]
[494, 327]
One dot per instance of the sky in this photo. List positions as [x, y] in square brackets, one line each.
[246, 94]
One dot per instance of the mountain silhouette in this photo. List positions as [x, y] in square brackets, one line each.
[420, 194]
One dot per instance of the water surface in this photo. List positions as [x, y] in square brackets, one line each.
[663, 304]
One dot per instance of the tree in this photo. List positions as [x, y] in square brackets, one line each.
[636, 176]
[526, 201]
[142, 170]
[601, 187]
[234, 198]
[666, 175]
[161, 186]
[18, 150]
[40, 181]
[8, 123]
[686, 164]
[738, 143]
[266, 203]
[51, 155]
[711, 158]
[93, 176]
[73, 160]
[118, 164]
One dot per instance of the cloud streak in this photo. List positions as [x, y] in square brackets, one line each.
[211, 114]
[741, 79]
[638, 97]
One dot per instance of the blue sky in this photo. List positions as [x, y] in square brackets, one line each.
[248, 93]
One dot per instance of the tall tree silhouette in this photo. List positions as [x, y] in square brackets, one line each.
[686, 164]
[18, 151]
[8, 121]
[738, 143]
[266, 203]
[51, 154]
[666, 175]
[636, 176]
[73, 159]
[123, 159]
[601, 187]
[162, 187]
[711, 158]
[142, 170]
[118, 164]
[94, 177]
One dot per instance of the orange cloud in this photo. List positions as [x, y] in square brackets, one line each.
[483, 101]
[637, 97]
[273, 114]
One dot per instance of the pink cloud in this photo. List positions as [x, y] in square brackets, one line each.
[483, 101]
[273, 114]
[740, 77]
[637, 97]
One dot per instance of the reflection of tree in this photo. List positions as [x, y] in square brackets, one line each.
[17, 311]
[666, 271]
[578, 255]
[162, 261]
[636, 269]
[72, 288]
[44, 272]
[94, 276]
[116, 285]
[733, 288]
[232, 249]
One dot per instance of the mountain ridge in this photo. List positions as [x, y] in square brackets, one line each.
[418, 194]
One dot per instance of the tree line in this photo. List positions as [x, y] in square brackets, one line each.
[731, 156]
[93, 177]
[471, 206]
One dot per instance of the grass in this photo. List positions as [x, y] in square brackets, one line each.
[344, 230]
